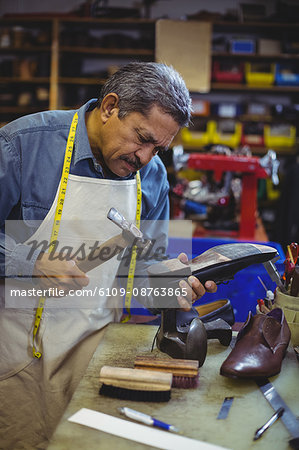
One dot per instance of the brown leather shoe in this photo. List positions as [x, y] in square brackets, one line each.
[260, 347]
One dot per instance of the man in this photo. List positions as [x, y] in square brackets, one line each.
[139, 111]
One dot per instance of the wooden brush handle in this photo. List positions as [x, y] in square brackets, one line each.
[178, 367]
[143, 380]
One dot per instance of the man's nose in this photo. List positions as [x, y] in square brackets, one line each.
[145, 153]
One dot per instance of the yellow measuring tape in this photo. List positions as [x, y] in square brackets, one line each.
[57, 218]
[130, 282]
[56, 225]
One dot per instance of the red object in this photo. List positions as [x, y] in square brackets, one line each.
[227, 73]
[251, 170]
[260, 302]
[295, 250]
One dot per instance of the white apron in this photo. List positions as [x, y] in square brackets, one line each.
[68, 331]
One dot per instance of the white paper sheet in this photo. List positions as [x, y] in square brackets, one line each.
[136, 432]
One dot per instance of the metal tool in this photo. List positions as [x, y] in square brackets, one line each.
[259, 433]
[288, 418]
[129, 230]
[274, 274]
[225, 407]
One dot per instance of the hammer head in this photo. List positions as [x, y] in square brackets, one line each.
[130, 232]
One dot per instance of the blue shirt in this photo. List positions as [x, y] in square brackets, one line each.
[31, 158]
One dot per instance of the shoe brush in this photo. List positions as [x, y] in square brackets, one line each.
[135, 384]
[185, 371]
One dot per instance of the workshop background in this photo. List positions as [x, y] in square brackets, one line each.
[235, 170]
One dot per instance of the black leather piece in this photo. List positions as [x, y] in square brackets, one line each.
[184, 318]
[224, 312]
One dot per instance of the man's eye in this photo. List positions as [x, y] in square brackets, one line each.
[142, 140]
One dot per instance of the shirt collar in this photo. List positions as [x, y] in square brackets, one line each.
[82, 147]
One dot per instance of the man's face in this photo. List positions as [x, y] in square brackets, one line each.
[130, 143]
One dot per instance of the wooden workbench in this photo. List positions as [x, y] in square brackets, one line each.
[193, 411]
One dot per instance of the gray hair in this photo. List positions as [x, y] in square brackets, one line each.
[139, 86]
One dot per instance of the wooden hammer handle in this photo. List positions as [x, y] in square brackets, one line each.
[103, 253]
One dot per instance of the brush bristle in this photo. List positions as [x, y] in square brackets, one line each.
[135, 395]
[185, 382]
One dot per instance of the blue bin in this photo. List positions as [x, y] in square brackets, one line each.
[243, 291]
[288, 77]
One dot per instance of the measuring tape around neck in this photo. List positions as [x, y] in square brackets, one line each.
[57, 219]
[131, 273]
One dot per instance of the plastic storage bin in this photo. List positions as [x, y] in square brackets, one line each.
[259, 74]
[287, 75]
[200, 133]
[227, 109]
[280, 135]
[227, 72]
[227, 132]
[240, 46]
[253, 134]
[200, 107]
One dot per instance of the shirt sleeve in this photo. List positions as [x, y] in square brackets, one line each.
[14, 256]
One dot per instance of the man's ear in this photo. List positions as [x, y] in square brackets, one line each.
[109, 106]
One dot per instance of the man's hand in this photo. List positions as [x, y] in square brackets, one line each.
[193, 287]
[63, 275]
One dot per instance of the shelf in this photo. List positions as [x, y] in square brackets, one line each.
[255, 56]
[109, 22]
[26, 49]
[108, 51]
[245, 87]
[249, 118]
[255, 25]
[20, 109]
[81, 80]
[283, 151]
[34, 80]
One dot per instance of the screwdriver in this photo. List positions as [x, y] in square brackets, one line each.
[270, 422]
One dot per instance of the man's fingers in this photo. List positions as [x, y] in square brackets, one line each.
[184, 304]
[211, 286]
[198, 289]
[183, 258]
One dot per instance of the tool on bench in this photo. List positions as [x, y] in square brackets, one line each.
[259, 433]
[288, 418]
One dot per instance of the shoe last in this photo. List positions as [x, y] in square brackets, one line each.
[191, 344]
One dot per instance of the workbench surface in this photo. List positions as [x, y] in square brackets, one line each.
[193, 411]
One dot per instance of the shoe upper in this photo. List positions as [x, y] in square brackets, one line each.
[260, 347]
